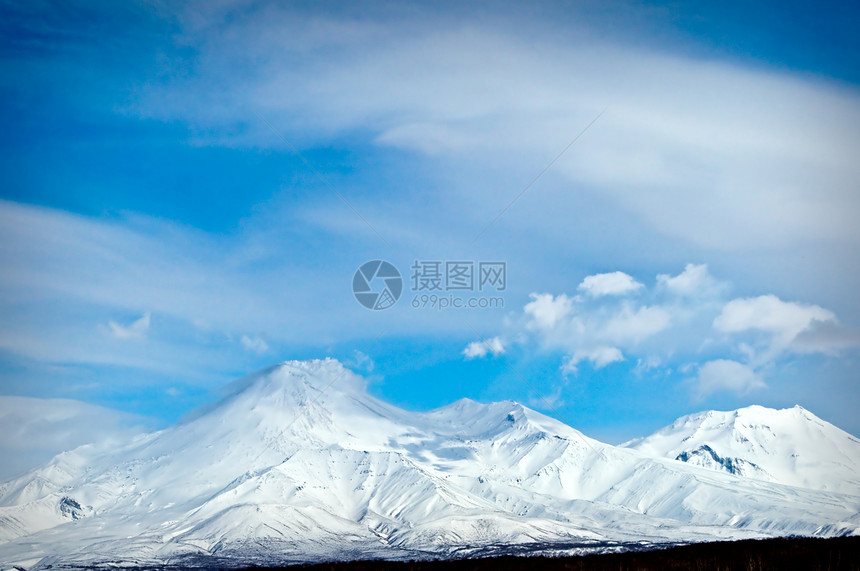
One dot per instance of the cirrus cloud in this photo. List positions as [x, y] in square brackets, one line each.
[438, 86]
[136, 330]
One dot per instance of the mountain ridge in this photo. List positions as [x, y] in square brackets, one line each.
[298, 463]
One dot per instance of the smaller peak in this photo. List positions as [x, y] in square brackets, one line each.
[716, 418]
[759, 409]
[754, 408]
[459, 405]
[511, 409]
[754, 412]
[516, 408]
[761, 414]
[798, 410]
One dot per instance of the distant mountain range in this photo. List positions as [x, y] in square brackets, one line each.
[299, 464]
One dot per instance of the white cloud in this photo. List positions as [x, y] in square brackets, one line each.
[599, 329]
[599, 357]
[695, 280]
[727, 375]
[254, 344]
[361, 361]
[678, 335]
[631, 325]
[769, 313]
[782, 323]
[614, 283]
[480, 349]
[643, 365]
[136, 330]
[545, 311]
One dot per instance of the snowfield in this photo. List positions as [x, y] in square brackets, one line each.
[300, 464]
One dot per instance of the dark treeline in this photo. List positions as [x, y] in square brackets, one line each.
[842, 553]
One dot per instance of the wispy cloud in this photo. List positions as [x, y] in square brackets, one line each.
[478, 349]
[361, 361]
[767, 153]
[136, 330]
[33, 430]
[254, 344]
[599, 357]
[67, 276]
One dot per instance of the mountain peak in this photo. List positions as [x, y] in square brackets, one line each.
[780, 445]
[302, 380]
[316, 373]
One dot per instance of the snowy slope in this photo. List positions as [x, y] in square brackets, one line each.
[299, 463]
[790, 446]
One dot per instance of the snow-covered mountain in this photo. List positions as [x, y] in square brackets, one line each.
[299, 463]
[790, 446]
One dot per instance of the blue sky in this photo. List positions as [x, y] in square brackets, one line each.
[158, 239]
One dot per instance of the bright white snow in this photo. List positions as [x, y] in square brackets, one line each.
[790, 446]
[300, 463]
